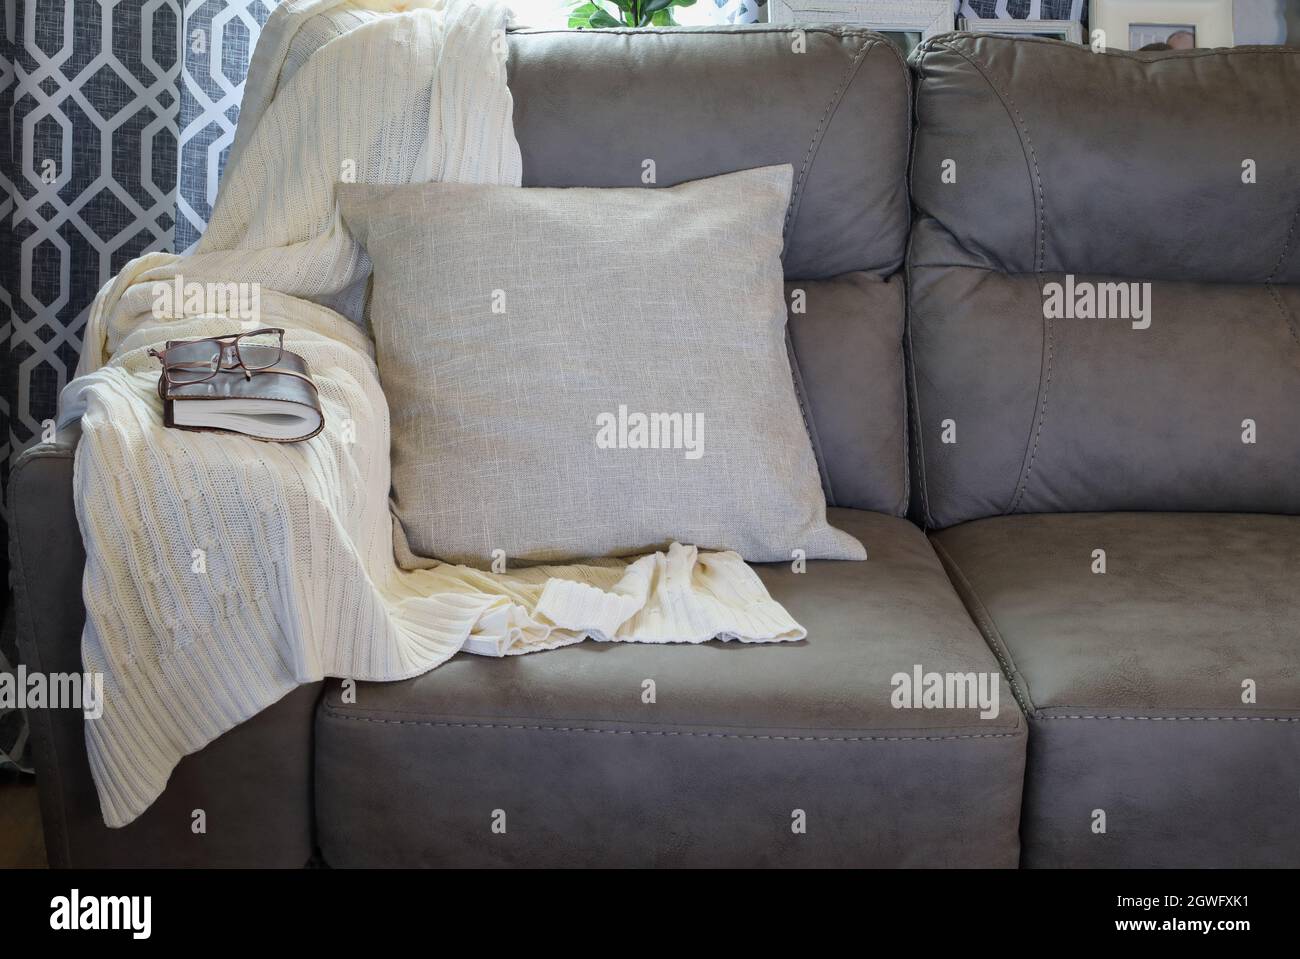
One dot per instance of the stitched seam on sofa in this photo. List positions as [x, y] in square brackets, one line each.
[25, 620]
[796, 195]
[1287, 318]
[868, 38]
[1182, 719]
[537, 727]
[1047, 362]
[809, 424]
[1026, 147]
[992, 636]
[901, 61]
[1286, 246]
[898, 56]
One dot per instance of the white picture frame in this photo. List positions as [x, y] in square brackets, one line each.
[1069, 30]
[1210, 20]
[926, 17]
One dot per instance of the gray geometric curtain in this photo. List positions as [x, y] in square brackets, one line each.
[218, 40]
[116, 117]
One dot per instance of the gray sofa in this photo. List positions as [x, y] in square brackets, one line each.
[982, 451]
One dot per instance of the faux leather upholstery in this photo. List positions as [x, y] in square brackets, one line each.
[847, 355]
[709, 774]
[253, 783]
[1133, 680]
[716, 100]
[1140, 176]
[1054, 414]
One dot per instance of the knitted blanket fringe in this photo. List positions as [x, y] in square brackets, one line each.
[222, 572]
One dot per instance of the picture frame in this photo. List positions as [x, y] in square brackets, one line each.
[927, 18]
[1070, 31]
[1131, 24]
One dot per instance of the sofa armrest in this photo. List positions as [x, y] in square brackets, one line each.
[254, 783]
[46, 555]
[46, 559]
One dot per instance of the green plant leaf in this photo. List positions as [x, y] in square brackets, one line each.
[591, 15]
[654, 6]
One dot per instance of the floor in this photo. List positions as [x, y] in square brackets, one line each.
[21, 842]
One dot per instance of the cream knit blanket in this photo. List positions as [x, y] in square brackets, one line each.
[222, 572]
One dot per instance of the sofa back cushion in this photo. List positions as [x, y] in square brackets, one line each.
[661, 107]
[1103, 279]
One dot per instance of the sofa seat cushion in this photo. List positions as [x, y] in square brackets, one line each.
[563, 748]
[1164, 691]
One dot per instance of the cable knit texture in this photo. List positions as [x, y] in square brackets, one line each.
[222, 572]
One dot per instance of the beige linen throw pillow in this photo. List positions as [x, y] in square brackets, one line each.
[581, 372]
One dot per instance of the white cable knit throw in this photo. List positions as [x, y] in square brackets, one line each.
[222, 572]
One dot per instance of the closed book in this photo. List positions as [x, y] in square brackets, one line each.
[278, 404]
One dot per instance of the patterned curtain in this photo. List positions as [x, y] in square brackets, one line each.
[116, 117]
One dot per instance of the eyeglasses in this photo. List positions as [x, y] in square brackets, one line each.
[196, 361]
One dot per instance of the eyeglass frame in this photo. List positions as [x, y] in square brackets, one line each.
[230, 340]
